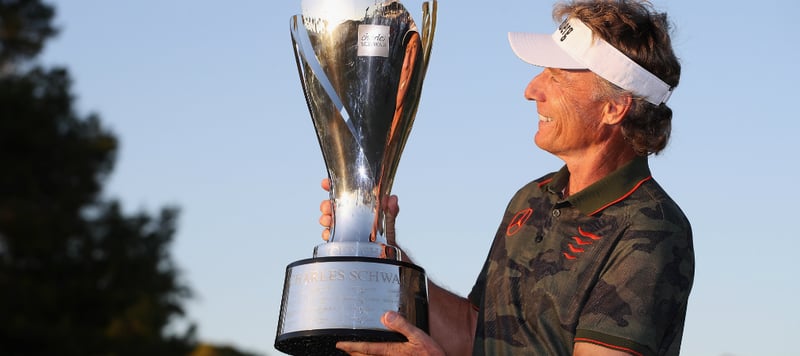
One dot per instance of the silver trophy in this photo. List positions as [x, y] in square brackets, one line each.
[361, 64]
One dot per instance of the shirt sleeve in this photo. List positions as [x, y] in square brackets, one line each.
[476, 295]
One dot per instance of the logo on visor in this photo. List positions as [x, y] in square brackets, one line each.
[565, 28]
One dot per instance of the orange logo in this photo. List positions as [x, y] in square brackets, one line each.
[518, 222]
[585, 239]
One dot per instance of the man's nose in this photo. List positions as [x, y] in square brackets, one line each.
[533, 91]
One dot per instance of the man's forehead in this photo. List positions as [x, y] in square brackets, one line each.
[568, 72]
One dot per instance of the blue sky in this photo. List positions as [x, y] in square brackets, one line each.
[208, 106]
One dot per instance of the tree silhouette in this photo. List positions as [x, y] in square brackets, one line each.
[25, 25]
[77, 275]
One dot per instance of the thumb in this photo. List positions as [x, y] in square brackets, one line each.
[395, 322]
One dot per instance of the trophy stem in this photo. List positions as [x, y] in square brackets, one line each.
[358, 249]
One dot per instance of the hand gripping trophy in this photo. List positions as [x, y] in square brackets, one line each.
[361, 65]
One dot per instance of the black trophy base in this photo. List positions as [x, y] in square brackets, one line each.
[323, 342]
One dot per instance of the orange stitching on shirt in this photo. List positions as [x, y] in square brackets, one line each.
[610, 346]
[590, 238]
[581, 242]
[576, 249]
[518, 222]
[588, 234]
[544, 182]
[623, 196]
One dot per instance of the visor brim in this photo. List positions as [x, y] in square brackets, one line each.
[540, 50]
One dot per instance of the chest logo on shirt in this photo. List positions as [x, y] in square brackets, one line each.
[518, 222]
[579, 243]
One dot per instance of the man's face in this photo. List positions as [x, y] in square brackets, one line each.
[570, 115]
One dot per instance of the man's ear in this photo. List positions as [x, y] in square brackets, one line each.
[616, 109]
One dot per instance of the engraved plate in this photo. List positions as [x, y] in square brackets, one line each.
[356, 295]
[373, 41]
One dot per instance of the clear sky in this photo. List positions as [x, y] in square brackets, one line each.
[206, 100]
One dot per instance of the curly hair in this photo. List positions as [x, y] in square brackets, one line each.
[642, 34]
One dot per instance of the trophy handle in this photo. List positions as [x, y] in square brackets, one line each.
[429, 13]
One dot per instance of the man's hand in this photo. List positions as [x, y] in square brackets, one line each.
[389, 206]
[326, 208]
[419, 343]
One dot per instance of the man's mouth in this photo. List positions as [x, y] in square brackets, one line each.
[543, 118]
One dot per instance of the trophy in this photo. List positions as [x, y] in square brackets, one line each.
[361, 65]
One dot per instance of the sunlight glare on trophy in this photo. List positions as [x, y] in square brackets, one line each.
[332, 13]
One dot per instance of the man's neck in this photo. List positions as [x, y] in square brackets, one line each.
[588, 168]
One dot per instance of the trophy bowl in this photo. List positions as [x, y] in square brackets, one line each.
[361, 66]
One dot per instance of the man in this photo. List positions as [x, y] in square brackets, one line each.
[595, 259]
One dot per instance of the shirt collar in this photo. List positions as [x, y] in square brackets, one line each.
[607, 191]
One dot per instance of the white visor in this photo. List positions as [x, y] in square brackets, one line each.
[573, 46]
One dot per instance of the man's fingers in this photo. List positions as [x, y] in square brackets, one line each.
[419, 343]
[326, 219]
[326, 207]
[395, 322]
[392, 207]
[364, 348]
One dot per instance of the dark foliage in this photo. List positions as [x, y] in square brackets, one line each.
[77, 275]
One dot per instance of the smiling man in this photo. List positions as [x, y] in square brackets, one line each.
[596, 258]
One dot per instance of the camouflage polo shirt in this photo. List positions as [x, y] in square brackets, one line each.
[611, 265]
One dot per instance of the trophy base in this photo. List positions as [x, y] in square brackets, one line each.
[323, 342]
[331, 299]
